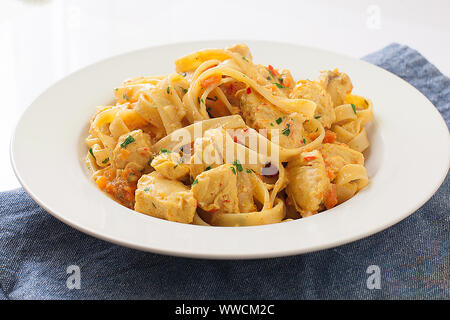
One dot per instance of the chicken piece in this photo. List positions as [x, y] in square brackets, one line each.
[242, 49]
[337, 84]
[245, 192]
[261, 114]
[308, 182]
[337, 155]
[171, 165]
[133, 147]
[311, 90]
[216, 191]
[163, 198]
[206, 153]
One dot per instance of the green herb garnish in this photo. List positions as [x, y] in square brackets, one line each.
[127, 141]
[92, 153]
[286, 131]
[249, 171]
[208, 168]
[183, 89]
[147, 189]
[317, 117]
[304, 141]
[165, 151]
[279, 120]
[244, 58]
[232, 169]
[168, 90]
[354, 108]
[105, 161]
[238, 165]
[195, 181]
[279, 85]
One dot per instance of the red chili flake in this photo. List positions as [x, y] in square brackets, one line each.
[245, 130]
[249, 90]
[231, 89]
[309, 158]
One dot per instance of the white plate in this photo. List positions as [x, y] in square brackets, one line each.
[407, 161]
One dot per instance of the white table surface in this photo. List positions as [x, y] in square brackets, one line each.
[41, 41]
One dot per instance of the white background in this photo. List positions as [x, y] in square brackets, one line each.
[41, 41]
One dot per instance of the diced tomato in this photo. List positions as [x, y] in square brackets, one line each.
[330, 198]
[274, 72]
[249, 90]
[101, 182]
[309, 158]
[211, 80]
[330, 136]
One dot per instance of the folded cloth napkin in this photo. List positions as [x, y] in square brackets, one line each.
[407, 261]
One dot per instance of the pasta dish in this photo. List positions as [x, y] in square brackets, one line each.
[227, 142]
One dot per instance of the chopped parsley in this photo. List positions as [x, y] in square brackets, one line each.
[286, 131]
[195, 181]
[200, 100]
[168, 90]
[127, 141]
[354, 108]
[92, 153]
[208, 168]
[271, 74]
[105, 161]
[271, 124]
[234, 170]
[279, 85]
[269, 78]
[244, 58]
[317, 117]
[249, 171]
[183, 89]
[238, 165]
[279, 120]
[304, 141]
[165, 151]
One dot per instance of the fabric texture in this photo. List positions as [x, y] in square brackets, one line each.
[412, 257]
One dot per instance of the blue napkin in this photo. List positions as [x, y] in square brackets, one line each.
[42, 258]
